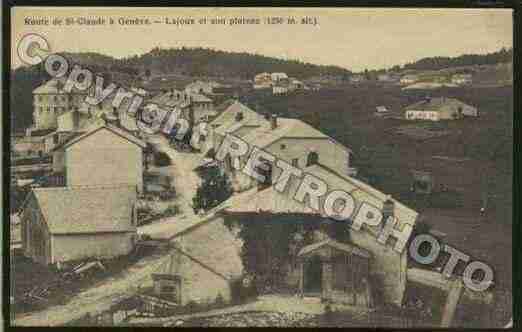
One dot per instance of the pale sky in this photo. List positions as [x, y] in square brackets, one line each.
[354, 38]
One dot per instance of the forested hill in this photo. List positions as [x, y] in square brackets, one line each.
[435, 63]
[215, 63]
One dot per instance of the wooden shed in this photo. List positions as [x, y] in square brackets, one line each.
[335, 272]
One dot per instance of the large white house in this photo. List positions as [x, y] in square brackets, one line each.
[106, 155]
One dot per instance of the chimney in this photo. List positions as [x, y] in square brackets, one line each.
[117, 116]
[273, 121]
[388, 208]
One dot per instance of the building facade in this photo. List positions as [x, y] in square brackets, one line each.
[61, 225]
[106, 155]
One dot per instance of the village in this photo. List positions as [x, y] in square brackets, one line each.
[130, 228]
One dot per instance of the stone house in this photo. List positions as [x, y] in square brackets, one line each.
[61, 225]
[383, 268]
[106, 155]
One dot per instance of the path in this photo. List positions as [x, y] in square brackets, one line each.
[96, 299]
[267, 303]
[185, 181]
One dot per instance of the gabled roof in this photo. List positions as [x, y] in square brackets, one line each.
[346, 247]
[286, 128]
[69, 210]
[228, 118]
[117, 131]
[271, 201]
[434, 104]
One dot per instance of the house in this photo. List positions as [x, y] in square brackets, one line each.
[106, 155]
[236, 119]
[356, 78]
[170, 99]
[388, 77]
[462, 79]
[27, 146]
[409, 79]
[69, 123]
[51, 100]
[201, 87]
[262, 81]
[378, 271]
[295, 142]
[295, 84]
[202, 106]
[440, 108]
[280, 89]
[276, 77]
[382, 109]
[61, 225]
[195, 106]
[200, 267]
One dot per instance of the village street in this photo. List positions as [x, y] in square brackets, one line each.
[101, 296]
[185, 181]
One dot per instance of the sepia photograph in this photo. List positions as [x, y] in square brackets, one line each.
[259, 167]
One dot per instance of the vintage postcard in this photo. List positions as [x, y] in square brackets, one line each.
[287, 167]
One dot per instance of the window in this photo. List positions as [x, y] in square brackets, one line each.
[283, 146]
[295, 162]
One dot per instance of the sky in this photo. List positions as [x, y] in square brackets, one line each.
[353, 38]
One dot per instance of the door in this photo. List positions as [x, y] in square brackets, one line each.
[312, 277]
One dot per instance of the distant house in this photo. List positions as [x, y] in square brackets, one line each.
[440, 108]
[295, 84]
[356, 78]
[276, 77]
[461, 79]
[106, 155]
[262, 81]
[388, 78]
[382, 109]
[352, 270]
[280, 89]
[409, 79]
[61, 225]
[201, 87]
